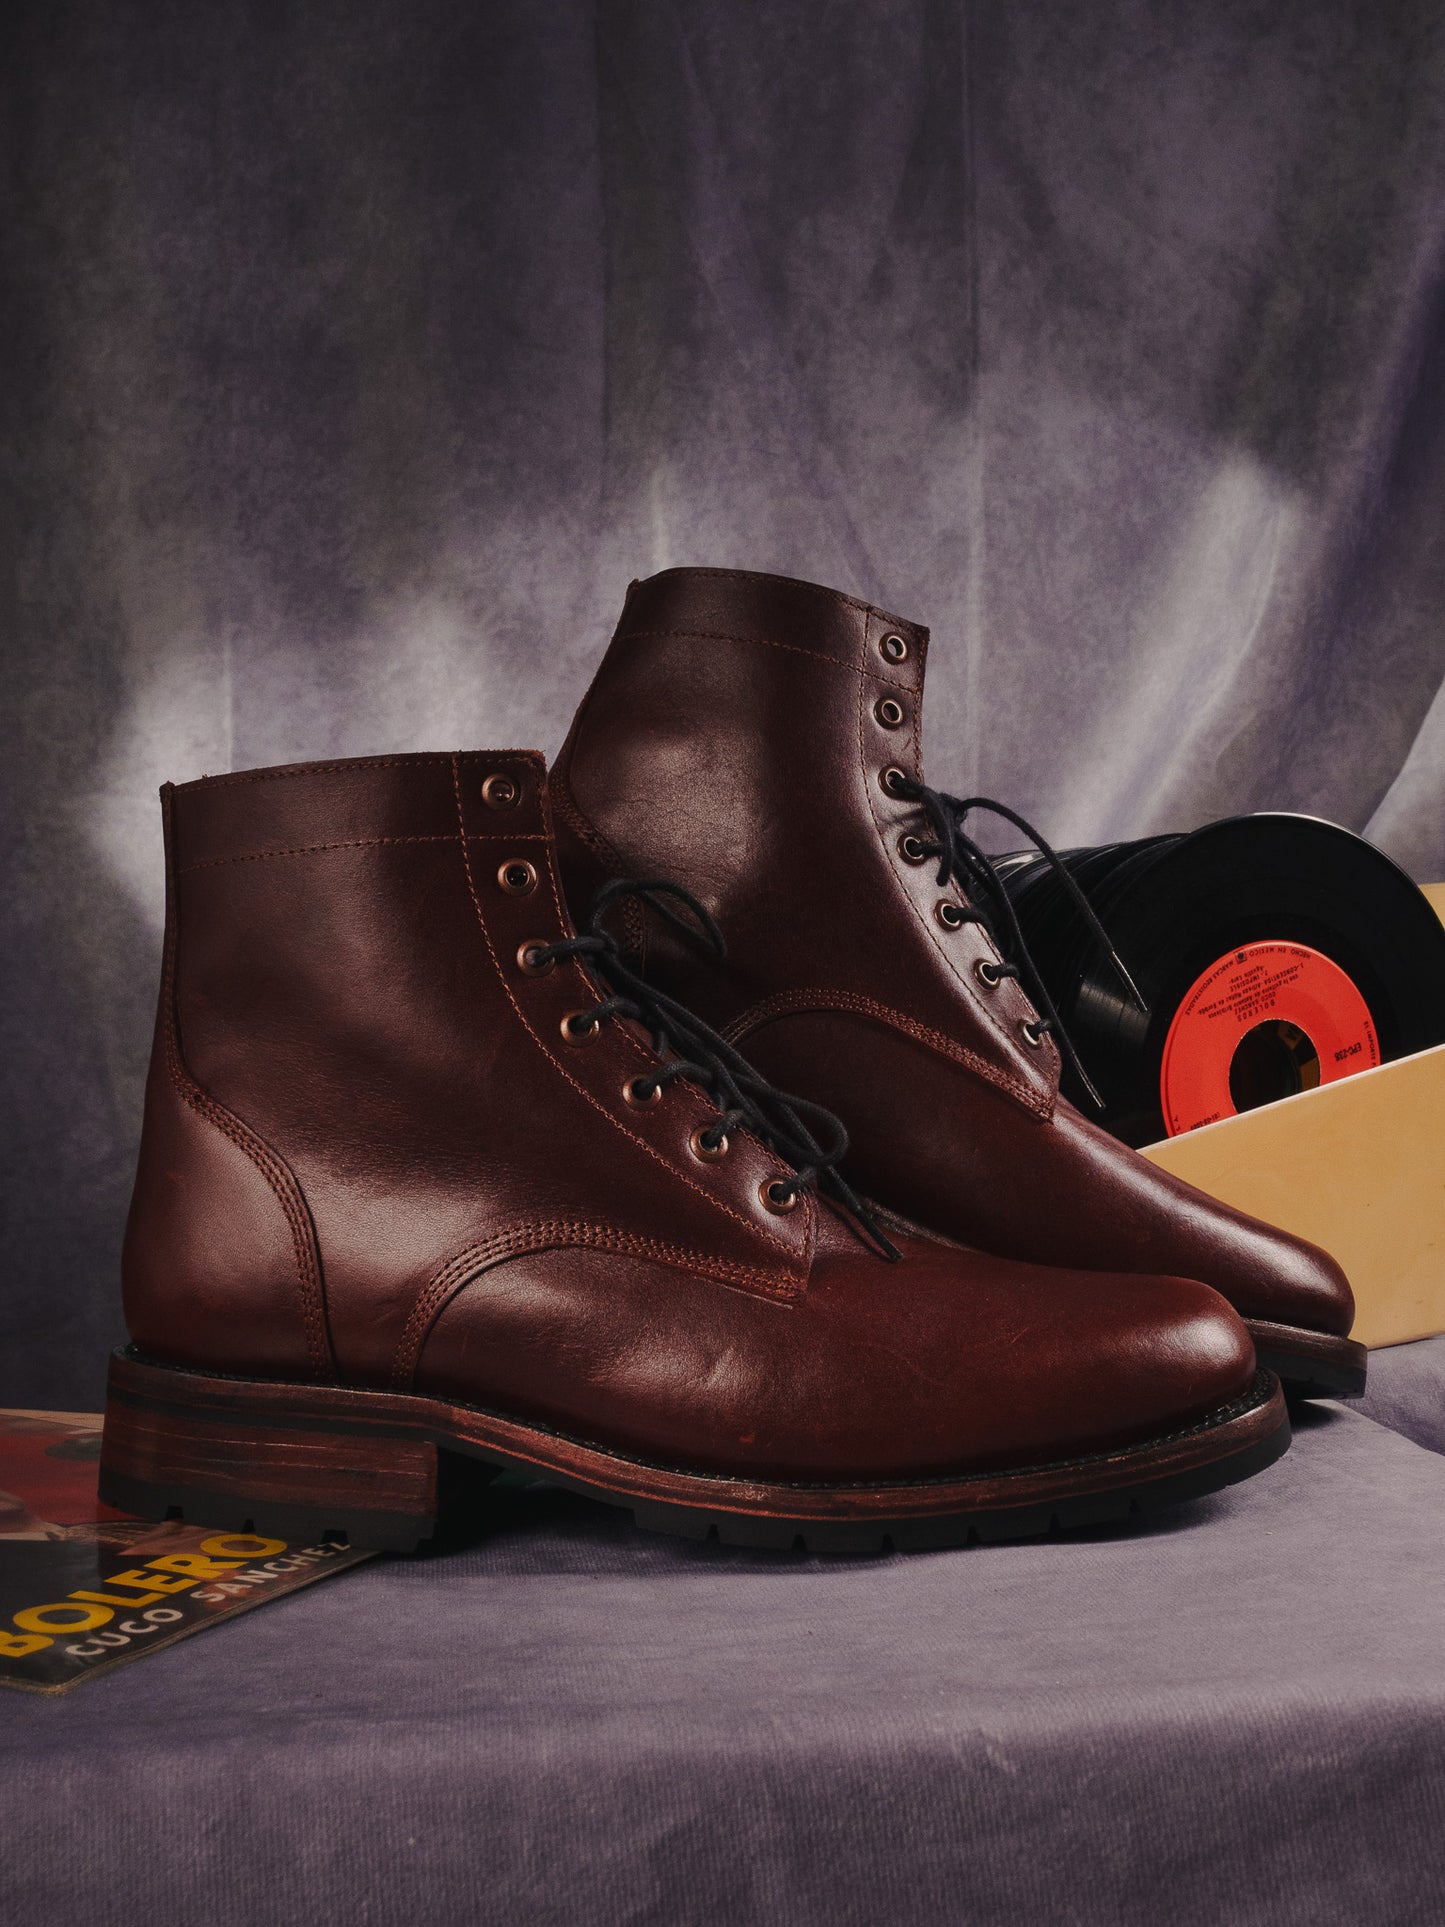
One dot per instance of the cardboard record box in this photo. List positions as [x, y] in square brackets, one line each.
[1356, 1166]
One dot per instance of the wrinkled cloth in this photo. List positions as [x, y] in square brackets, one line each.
[356, 358]
[1406, 1391]
[1237, 1716]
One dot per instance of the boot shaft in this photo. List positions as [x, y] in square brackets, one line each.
[358, 1082]
[739, 735]
[740, 731]
[333, 919]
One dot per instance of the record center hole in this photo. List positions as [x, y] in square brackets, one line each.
[1274, 1060]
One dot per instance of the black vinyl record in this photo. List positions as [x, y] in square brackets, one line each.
[1274, 952]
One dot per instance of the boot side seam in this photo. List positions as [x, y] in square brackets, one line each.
[269, 1163]
[359, 843]
[793, 1003]
[709, 1197]
[288, 1195]
[556, 1235]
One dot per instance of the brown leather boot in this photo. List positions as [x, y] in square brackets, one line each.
[422, 1169]
[758, 739]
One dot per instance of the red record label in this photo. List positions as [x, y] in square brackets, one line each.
[1259, 1024]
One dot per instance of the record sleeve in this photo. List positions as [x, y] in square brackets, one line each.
[84, 1588]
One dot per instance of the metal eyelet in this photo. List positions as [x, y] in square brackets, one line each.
[949, 914]
[889, 712]
[1032, 1035]
[587, 1036]
[892, 779]
[894, 648]
[524, 958]
[631, 1090]
[700, 1148]
[988, 974]
[780, 1207]
[518, 877]
[911, 850]
[501, 792]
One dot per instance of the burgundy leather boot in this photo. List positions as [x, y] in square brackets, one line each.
[423, 1171]
[758, 739]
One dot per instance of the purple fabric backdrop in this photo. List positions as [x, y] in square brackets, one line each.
[356, 356]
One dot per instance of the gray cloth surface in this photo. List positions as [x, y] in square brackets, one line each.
[1237, 1717]
[357, 355]
[1407, 1391]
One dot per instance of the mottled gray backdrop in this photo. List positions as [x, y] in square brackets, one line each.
[356, 354]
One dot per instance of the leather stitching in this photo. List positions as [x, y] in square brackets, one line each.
[360, 843]
[298, 1219]
[710, 1197]
[554, 1235]
[801, 1002]
[273, 1169]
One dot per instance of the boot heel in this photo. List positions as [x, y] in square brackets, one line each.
[174, 1449]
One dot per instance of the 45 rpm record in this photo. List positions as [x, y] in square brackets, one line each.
[1275, 953]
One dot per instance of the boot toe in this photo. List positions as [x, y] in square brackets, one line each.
[1297, 1283]
[1151, 1355]
[990, 1363]
[1157, 1223]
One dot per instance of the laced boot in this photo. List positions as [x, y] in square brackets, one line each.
[427, 1172]
[758, 739]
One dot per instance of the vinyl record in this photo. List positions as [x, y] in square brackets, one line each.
[1274, 952]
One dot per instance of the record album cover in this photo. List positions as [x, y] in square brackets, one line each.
[84, 1588]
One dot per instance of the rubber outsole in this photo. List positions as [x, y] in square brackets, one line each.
[308, 1463]
[1310, 1364]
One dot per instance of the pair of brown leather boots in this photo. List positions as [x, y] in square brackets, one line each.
[427, 1172]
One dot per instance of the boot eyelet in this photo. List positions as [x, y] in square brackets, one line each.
[501, 792]
[525, 954]
[889, 712]
[893, 780]
[580, 1027]
[779, 1205]
[949, 914]
[911, 850]
[633, 1090]
[894, 648]
[700, 1147]
[518, 877]
[1031, 1033]
[988, 974]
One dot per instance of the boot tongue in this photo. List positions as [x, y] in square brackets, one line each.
[810, 1137]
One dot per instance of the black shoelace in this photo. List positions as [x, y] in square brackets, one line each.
[805, 1135]
[963, 864]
